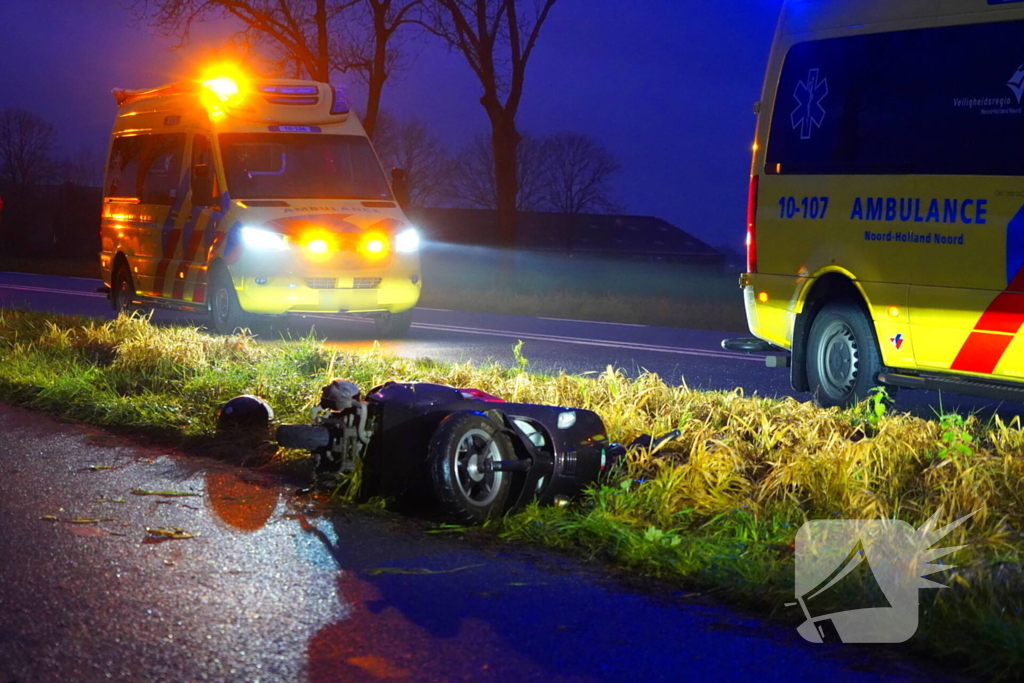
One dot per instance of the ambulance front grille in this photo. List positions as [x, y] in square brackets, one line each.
[321, 282]
[366, 283]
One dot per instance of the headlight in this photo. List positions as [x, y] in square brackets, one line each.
[407, 241]
[264, 240]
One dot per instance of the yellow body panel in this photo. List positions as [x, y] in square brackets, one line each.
[171, 245]
[933, 254]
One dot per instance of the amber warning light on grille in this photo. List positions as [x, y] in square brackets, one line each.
[374, 246]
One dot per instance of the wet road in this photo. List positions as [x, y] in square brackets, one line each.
[271, 589]
[680, 356]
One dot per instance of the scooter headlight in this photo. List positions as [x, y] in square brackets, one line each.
[407, 241]
[263, 240]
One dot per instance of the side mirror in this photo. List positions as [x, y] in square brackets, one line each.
[202, 185]
[400, 186]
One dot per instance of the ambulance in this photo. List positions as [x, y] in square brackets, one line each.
[242, 197]
[885, 235]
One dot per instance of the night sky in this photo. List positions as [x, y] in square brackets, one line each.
[666, 85]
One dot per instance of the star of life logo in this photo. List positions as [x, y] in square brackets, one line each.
[809, 113]
[858, 581]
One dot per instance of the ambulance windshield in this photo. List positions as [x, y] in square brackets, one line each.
[301, 166]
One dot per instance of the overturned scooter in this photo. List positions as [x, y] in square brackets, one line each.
[474, 454]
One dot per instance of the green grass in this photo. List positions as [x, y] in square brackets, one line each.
[716, 510]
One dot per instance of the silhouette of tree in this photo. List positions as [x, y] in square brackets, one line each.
[497, 38]
[473, 183]
[411, 146]
[373, 46]
[26, 149]
[303, 38]
[577, 171]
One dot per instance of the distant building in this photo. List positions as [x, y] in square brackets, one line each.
[639, 238]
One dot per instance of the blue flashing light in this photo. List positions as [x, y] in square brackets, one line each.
[340, 103]
[289, 89]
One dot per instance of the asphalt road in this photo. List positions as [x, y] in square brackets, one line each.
[271, 588]
[680, 356]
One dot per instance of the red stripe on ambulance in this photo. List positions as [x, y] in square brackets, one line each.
[994, 331]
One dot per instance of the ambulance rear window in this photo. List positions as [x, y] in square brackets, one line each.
[301, 166]
[928, 101]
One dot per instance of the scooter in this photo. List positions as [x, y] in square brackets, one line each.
[474, 454]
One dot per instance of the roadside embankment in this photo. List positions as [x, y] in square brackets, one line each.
[717, 510]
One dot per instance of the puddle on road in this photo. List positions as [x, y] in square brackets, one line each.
[240, 501]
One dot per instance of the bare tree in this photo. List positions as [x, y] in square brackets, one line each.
[497, 41]
[577, 170]
[26, 149]
[473, 180]
[84, 167]
[303, 38]
[411, 146]
[372, 46]
[297, 31]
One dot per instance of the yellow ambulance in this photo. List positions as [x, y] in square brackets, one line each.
[236, 197]
[885, 237]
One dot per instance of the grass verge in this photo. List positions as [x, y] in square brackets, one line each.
[718, 510]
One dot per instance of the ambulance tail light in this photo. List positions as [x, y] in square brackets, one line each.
[752, 226]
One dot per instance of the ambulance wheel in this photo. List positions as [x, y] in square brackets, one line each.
[843, 360]
[122, 289]
[460, 446]
[392, 325]
[226, 314]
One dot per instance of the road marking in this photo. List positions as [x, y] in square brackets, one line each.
[632, 346]
[47, 290]
[561, 320]
[591, 322]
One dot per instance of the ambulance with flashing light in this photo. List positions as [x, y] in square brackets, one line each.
[885, 237]
[239, 197]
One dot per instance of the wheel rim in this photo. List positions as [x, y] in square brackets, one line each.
[476, 447]
[123, 295]
[838, 360]
[222, 305]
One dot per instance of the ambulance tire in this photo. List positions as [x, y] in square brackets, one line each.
[226, 314]
[392, 325]
[465, 492]
[843, 361]
[122, 289]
